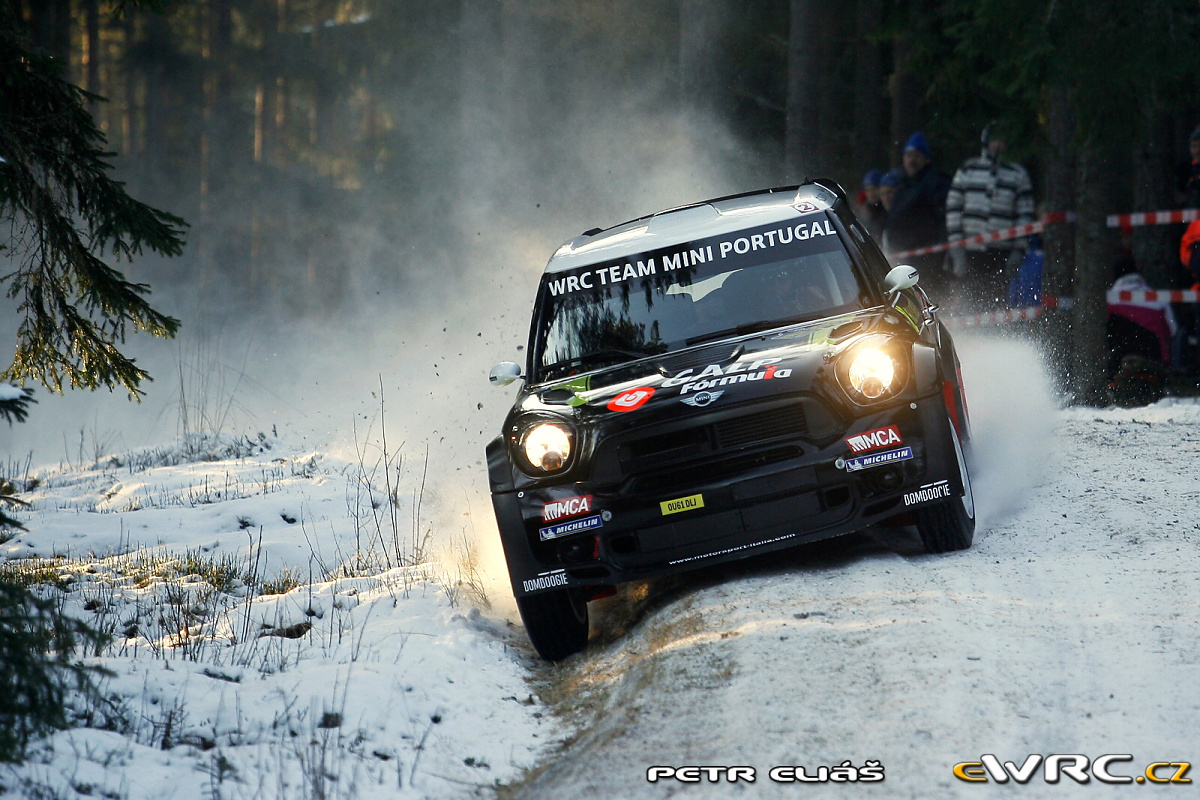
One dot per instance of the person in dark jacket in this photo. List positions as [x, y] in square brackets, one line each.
[917, 217]
[869, 208]
[1189, 174]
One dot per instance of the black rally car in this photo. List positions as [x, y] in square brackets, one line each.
[717, 381]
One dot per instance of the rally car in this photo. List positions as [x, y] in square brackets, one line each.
[714, 382]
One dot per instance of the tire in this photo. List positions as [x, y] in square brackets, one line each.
[555, 622]
[950, 526]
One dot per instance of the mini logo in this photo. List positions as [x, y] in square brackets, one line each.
[689, 503]
[701, 399]
[632, 399]
[567, 507]
[873, 440]
[806, 207]
[878, 459]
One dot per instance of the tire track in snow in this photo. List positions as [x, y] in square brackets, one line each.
[1068, 628]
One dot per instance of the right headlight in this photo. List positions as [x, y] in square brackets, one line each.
[870, 373]
[547, 447]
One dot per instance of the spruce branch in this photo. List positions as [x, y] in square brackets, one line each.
[66, 212]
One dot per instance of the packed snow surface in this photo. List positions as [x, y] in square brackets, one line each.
[1070, 627]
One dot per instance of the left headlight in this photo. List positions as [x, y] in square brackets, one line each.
[871, 374]
[547, 446]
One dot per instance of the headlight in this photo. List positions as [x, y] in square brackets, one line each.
[872, 373]
[547, 446]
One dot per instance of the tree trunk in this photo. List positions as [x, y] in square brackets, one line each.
[91, 56]
[1155, 247]
[905, 91]
[481, 91]
[803, 87]
[1093, 258]
[1058, 269]
[706, 78]
[868, 89]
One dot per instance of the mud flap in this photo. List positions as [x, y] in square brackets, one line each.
[527, 574]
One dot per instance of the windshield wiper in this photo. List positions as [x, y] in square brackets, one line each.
[614, 356]
[749, 327]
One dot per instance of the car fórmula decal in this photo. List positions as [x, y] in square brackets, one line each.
[762, 245]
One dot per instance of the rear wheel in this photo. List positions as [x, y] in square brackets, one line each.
[950, 525]
[556, 622]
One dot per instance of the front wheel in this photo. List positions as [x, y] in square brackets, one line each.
[556, 622]
[950, 525]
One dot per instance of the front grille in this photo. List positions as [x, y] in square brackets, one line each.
[761, 427]
[662, 452]
[712, 471]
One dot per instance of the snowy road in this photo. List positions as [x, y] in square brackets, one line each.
[1070, 627]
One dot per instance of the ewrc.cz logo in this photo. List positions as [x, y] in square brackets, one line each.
[1074, 766]
[545, 582]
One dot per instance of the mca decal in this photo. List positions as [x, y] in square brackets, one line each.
[567, 507]
[874, 440]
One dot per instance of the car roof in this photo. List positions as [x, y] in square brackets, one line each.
[691, 222]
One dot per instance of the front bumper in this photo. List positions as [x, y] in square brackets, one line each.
[766, 498]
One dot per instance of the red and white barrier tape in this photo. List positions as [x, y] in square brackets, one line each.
[1153, 218]
[1115, 297]
[998, 317]
[1154, 296]
[995, 236]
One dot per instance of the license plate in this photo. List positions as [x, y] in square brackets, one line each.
[689, 503]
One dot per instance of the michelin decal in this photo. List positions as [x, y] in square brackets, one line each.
[878, 459]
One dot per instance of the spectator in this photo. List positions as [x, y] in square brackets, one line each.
[1189, 251]
[870, 210]
[1189, 174]
[917, 216]
[888, 185]
[986, 195]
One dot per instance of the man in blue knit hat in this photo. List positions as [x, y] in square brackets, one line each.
[917, 217]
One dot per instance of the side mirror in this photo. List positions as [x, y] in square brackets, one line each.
[900, 278]
[504, 373]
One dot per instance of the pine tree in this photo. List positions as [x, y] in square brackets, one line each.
[66, 212]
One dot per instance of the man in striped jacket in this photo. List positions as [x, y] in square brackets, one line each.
[986, 195]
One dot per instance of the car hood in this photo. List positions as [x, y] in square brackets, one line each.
[738, 369]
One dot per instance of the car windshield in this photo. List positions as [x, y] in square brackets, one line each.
[665, 300]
